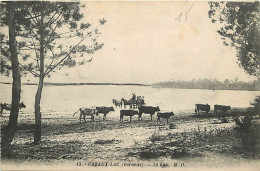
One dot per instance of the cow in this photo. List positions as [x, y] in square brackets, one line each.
[148, 110]
[127, 113]
[86, 112]
[117, 102]
[104, 110]
[7, 106]
[22, 105]
[221, 108]
[165, 115]
[140, 101]
[202, 107]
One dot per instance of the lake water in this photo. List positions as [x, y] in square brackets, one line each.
[63, 101]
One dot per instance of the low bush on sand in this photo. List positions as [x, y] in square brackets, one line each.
[105, 141]
[248, 132]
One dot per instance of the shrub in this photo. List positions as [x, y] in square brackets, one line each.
[105, 141]
[156, 137]
[247, 131]
[256, 105]
[223, 119]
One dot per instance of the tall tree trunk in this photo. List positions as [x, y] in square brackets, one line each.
[37, 105]
[38, 115]
[9, 132]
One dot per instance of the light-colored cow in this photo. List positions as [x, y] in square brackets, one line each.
[86, 112]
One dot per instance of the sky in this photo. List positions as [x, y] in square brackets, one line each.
[148, 42]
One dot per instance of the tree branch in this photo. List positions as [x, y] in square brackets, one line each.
[51, 62]
[36, 55]
[53, 30]
[51, 18]
[89, 33]
[32, 72]
[33, 32]
[32, 17]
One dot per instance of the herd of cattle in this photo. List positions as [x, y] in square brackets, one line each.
[123, 112]
[206, 108]
[136, 107]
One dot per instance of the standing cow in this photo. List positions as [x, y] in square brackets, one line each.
[148, 110]
[140, 101]
[104, 110]
[7, 106]
[127, 113]
[86, 112]
[221, 108]
[117, 103]
[202, 107]
[165, 115]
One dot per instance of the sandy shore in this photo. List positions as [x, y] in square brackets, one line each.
[203, 141]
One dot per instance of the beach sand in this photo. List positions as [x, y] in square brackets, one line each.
[196, 141]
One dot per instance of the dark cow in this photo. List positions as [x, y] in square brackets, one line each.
[165, 115]
[221, 108]
[7, 106]
[202, 107]
[148, 110]
[104, 110]
[86, 112]
[117, 102]
[127, 113]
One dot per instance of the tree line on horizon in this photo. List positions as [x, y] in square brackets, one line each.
[211, 84]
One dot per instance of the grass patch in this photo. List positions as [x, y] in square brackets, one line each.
[102, 142]
[25, 126]
[226, 141]
[162, 151]
[156, 137]
[47, 150]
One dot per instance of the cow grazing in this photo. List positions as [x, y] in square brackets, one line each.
[127, 113]
[202, 107]
[165, 115]
[86, 112]
[148, 110]
[221, 108]
[104, 110]
[7, 106]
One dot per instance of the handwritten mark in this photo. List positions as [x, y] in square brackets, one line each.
[179, 17]
[186, 14]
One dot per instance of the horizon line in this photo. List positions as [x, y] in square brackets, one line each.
[62, 84]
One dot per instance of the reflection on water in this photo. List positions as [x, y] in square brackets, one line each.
[63, 101]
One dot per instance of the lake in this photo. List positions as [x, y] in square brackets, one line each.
[63, 101]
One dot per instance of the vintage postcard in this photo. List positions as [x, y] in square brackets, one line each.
[130, 85]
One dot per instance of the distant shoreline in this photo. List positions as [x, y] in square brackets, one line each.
[183, 88]
[79, 84]
[126, 84]
[209, 84]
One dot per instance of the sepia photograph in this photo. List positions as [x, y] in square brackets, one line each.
[130, 85]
